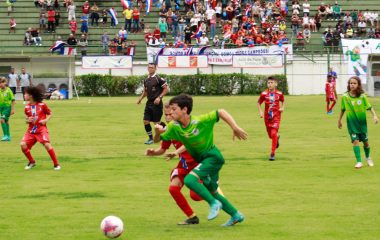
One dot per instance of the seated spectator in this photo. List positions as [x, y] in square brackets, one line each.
[337, 11]
[300, 40]
[329, 12]
[203, 40]
[123, 34]
[72, 41]
[371, 33]
[377, 32]
[36, 38]
[42, 21]
[322, 10]
[305, 20]
[28, 37]
[349, 31]
[362, 25]
[216, 41]
[12, 25]
[328, 38]
[10, 5]
[307, 33]
[142, 25]
[313, 26]
[84, 25]
[161, 43]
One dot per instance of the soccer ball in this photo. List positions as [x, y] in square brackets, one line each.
[112, 226]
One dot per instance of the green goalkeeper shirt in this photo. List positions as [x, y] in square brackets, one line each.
[6, 97]
[356, 110]
[198, 136]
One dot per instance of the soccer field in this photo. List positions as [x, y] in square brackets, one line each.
[311, 191]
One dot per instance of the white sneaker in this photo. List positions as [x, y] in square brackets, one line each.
[57, 168]
[29, 166]
[358, 165]
[370, 162]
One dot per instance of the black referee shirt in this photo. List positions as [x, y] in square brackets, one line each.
[154, 85]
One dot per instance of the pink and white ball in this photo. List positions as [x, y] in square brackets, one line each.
[112, 226]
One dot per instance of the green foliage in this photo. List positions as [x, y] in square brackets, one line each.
[200, 84]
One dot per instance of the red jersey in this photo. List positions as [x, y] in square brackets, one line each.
[186, 160]
[330, 91]
[38, 111]
[272, 104]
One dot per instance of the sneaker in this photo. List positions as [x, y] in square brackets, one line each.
[358, 165]
[330, 112]
[236, 218]
[4, 138]
[272, 157]
[57, 168]
[30, 166]
[214, 209]
[278, 141]
[370, 162]
[149, 141]
[189, 221]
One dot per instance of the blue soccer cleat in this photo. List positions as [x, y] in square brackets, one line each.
[4, 138]
[236, 218]
[214, 209]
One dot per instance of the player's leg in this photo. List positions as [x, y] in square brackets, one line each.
[274, 137]
[175, 190]
[5, 114]
[26, 145]
[367, 150]
[147, 126]
[44, 139]
[4, 128]
[327, 106]
[332, 106]
[356, 148]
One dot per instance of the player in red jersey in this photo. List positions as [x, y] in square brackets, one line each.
[37, 115]
[272, 115]
[331, 95]
[185, 165]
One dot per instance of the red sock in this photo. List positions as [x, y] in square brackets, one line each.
[175, 191]
[274, 137]
[195, 196]
[53, 157]
[28, 155]
[328, 106]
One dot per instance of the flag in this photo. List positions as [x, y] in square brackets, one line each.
[227, 35]
[148, 4]
[189, 51]
[247, 10]
[130, 51]
[125, 4]
[113, 14]
[58, 45]
[70, 51]
[198, 33]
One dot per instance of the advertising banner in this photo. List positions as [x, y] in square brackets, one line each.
[182, 61]
[106, 62]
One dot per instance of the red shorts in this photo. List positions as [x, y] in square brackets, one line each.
[30, 139]
[331, 99]
[181, 172]
[274, 123]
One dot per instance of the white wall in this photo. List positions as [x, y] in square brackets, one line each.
[305, 77]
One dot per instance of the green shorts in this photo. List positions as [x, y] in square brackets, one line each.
[208, 169]
[5, 112]
[362, 137]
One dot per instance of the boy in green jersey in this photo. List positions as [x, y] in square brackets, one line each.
[7, 108]
[355, 104]
[196, 133]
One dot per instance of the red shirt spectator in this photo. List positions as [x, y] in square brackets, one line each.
[136, 14]
[51, 15]
[86, 8]
[157, 33]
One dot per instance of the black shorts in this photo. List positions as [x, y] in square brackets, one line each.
[152, 112]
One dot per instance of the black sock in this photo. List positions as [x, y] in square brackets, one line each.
[148, 130]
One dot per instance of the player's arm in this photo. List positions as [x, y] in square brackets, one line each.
[155, 152]
[340, 119]
[375, 118]
[165, 90]
[282, 106]
[237, 131]
[13, 107]
[177, 152]
[143, 94]
[260, 110]
[158, 129]
[44, 121]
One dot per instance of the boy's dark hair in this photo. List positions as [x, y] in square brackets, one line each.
[272, 78]
[35, 92]
[359, 90]
[183, 100]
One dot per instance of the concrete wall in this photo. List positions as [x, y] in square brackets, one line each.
[305, 77]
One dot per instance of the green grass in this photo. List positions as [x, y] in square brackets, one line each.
[311, 191]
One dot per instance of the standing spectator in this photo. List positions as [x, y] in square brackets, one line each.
[25, 80]
[318, 21]
[83, 43]
[84, 25]
[213, 26]
[13, 80]
[163, 29]
[71, 12]
[105, 42]
[94, 15]
[136, 19]
[51, 20]
[57, 17]
[10, 6]
[12, 25]
[155, 88]
[73, 26]
[337, 11]
[306, 8]
[86, 7]
[203, 40]
[104, 17]
[295, 23]
[56, 5]
[128, 19]
[42, 21]
[157, 33]
[72, 41]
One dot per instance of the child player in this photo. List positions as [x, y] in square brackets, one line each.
[196, 133]
[272, 115]
[331, 95]
[7, 108]
[37, 115]
[185, 165]
[355, 104]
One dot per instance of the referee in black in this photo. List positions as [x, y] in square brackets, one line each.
[155, 89]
